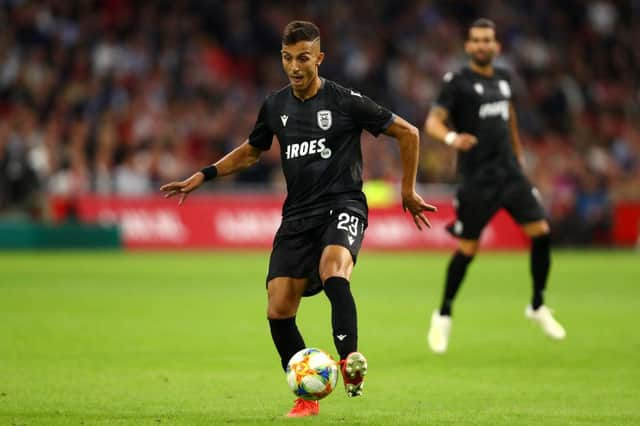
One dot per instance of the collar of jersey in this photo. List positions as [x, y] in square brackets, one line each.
[322, 82]
[476, 74]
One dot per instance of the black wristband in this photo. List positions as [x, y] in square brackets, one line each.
[209, 172]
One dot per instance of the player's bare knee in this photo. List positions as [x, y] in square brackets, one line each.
[281, 309]
[335, 267]
[468, 248]
[340, 273]
[280, 314]
[283, 299]
[468, 253]
[335, 262]
[537, 229]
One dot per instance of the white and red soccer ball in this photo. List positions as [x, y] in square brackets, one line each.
[312, 374]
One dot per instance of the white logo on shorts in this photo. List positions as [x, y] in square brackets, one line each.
[349, 223]
[458, 227]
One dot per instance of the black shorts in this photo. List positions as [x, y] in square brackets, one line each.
[476, 204]
[299, 243]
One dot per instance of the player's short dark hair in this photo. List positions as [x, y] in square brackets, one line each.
[296, 31]
[482, 23]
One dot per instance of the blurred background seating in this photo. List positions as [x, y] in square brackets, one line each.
[116, 97]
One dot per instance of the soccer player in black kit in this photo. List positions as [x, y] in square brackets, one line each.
[318, 124]
[474, 114]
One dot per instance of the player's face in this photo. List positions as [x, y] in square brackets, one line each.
[300, 62]
[482, 46]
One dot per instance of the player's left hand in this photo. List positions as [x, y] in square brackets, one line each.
[417, 207]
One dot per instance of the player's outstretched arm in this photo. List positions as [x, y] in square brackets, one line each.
[408, 137]
[239, 159]
[436, 127]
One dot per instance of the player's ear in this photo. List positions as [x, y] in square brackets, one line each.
[498, 48]
[320, 58]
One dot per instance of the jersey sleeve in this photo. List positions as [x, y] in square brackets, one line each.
[372, 117]
[448, 96]
[512, 95]
[262, 136]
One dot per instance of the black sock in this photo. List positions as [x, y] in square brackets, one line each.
[455, 274]
[343, 315]
[286, 337]
[540, 265]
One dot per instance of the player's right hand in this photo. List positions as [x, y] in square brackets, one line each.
[183, 187]
[465, 141]
[414, 203]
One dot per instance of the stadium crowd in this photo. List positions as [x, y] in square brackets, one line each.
[114, 96]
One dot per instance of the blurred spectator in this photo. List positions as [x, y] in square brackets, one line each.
[593, 208]
[113, 97]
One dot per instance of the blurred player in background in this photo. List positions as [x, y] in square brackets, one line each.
[474, 114]
[318, 124]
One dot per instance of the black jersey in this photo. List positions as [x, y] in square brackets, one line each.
[479, 105]
[320, 146]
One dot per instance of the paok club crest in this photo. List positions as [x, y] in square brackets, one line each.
[324, 119]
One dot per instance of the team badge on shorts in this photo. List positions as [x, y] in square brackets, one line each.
[324, 119]
[458, 227]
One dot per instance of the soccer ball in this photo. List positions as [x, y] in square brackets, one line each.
[312, 374]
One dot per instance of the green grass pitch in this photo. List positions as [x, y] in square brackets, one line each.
[109, 338]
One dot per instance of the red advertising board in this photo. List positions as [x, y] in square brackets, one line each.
[250, 221]
[626, 223]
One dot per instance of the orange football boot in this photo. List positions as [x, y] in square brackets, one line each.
[304, 408]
